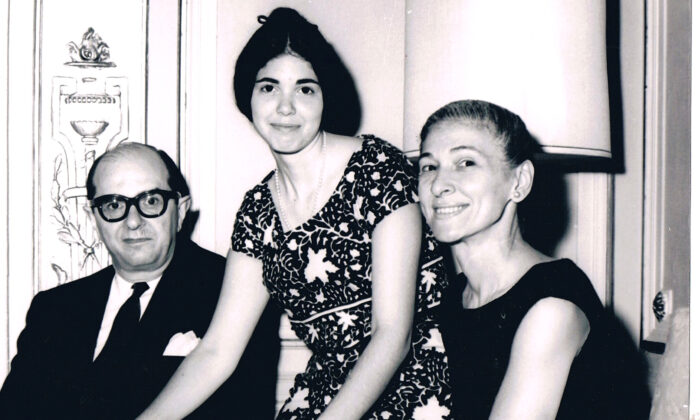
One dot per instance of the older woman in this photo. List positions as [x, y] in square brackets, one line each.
[524, 333]
[334, 236]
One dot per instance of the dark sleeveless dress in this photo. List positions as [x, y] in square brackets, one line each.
[478, 344]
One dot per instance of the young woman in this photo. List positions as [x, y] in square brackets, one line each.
[525, 334]
[334, 236]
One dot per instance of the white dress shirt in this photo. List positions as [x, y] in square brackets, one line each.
[118, 294]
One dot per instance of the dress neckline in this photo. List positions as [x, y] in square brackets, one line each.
[462, 279]
[278, 221]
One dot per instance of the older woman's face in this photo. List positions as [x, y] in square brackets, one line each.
[287, 103]
[465, 181]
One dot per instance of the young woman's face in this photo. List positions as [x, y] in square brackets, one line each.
[287, 103]
[465, 181]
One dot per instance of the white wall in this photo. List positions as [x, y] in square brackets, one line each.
[629, 185]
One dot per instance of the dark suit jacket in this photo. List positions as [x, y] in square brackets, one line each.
[53, 374]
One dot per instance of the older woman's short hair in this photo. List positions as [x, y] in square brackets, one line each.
[517, 142]
[285, 31]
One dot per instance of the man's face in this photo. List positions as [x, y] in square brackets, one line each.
[141, 248]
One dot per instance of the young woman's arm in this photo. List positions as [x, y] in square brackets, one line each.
[396, 243]
[241, 303]
[545, 344]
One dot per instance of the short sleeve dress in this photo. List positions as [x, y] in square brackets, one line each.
[603, 381]
[320, 273]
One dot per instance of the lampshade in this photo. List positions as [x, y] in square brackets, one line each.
[542, 59]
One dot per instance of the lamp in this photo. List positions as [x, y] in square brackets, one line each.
[544, 60]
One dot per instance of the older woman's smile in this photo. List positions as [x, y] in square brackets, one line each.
[447, 211]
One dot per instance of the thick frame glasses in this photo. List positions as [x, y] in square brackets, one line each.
[150, 204]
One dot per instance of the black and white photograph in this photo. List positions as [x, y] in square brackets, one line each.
[347, 209]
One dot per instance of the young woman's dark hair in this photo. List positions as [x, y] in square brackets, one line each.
[285, 31]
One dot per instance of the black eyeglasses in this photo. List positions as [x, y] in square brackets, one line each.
[115, 207]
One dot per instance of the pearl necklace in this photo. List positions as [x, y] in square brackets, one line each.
[317, 190]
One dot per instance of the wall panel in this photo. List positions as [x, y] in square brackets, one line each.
[21, 141]
[4, 239]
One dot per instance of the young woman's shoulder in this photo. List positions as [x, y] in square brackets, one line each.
[382, 156]
[372, 143]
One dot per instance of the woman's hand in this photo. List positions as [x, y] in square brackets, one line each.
[545, 344]
[396, 244]
[241, 303]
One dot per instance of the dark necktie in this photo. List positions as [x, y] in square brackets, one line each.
[125, 325]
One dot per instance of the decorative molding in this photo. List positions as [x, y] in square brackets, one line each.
[662, 304]
[163, 76]
[92, 51]
[653, 173]
[89, 115]
[4, 190]
[92, 97]
[67, 107]
[594, 230]
[667, 164]
[22, 138]
[198, 112]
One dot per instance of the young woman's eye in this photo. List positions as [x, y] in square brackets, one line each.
[307, 90]
[267, 88]
[464, 163]
[427, 167]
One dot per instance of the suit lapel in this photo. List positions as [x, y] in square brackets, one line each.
[91, 312]
[163, 316]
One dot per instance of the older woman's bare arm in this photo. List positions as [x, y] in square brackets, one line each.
[241, 303]
[545, 344]
[396, 245]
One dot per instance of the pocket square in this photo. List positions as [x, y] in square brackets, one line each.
[181, 344]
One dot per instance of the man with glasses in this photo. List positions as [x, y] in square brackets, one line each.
[105, 345]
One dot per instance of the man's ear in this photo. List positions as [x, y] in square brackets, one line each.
[91, 217]
[525, 174]
[183, 206]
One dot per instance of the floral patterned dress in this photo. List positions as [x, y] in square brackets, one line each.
[320, 273]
